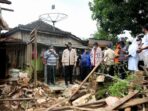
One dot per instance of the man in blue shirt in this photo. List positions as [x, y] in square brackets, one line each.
[85, 64]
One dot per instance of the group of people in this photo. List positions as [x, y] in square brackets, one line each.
[135, 51]
[70, 60]
[131, 53]
[51, 60]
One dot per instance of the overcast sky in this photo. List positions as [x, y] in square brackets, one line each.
[79, 20]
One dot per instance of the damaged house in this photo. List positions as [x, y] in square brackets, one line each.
[19, 52]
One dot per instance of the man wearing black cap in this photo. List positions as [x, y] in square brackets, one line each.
[69, 59]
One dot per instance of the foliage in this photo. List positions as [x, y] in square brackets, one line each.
[102, 35]
[113, 16]
[101, 93]
[119, 88]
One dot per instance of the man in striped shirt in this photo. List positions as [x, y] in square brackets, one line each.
[51, 58]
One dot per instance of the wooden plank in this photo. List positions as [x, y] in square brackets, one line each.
[35, 65]
[85, 79]
[55, 105]
[122, 101]
[70, 108]
[93, 103]
[63, 108]
[134, 102]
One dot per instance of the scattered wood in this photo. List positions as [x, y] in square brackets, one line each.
[102, 101]
[122, 101]
[82, 100]
[71, 107]
[24, 95]
[80, 94]
[134, 102]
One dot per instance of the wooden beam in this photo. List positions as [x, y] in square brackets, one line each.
[93, 103]
[85, 79]
[5, 1]
[63, 108]
[134, 102]
[122, 101]
[35, 60]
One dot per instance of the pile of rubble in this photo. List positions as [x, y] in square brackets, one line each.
[23, 95]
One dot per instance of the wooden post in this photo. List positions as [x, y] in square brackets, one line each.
[35, 59]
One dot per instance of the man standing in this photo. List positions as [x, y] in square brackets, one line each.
[96, 55]
[109, 56]
[122, 58]
[133, 57]
[85, 64]
[69, 59]
[51, 60]
[144, 47]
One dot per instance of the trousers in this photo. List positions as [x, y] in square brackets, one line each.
[68, 70]
[51, 72]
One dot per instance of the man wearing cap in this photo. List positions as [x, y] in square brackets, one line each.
[51, 58]
[69, 59]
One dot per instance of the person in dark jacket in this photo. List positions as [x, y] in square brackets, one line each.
[85, 64]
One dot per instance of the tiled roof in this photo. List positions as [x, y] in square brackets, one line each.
[42, 26]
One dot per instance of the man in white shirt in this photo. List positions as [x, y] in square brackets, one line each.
[144, 47]
[109, 56]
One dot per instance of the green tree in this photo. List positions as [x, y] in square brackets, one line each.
[102, 35]
[113, 16]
